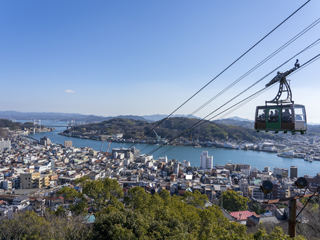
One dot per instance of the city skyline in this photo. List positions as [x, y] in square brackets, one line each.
[143, 58]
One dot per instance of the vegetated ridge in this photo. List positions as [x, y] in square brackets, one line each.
[171, 128]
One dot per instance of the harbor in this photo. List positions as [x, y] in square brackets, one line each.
[221, 155]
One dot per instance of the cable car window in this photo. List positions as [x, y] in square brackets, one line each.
[273, 115]
[299, 113]
[261, 117]
[286, 114]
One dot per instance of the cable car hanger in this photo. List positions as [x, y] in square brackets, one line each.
[281, 77]
[281, 115]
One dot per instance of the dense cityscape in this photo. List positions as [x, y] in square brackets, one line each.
[129, 120]
[33, 172]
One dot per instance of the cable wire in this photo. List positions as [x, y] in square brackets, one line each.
[222, 71]
[317, 57]
[258, 65]
[203, 120]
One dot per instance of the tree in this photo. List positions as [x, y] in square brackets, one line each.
[100, 190]
[80, 203]
[196, 199]
[276, 234]
[24, 226]
[256, 207]
[233, 202]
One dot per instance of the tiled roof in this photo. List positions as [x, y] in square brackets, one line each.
[243, 215]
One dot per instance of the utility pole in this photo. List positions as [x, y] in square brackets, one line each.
[292, 210]
[292, 217]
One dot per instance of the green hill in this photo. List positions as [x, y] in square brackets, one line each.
[171, 128]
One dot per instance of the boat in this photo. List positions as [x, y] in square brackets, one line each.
[308, 158]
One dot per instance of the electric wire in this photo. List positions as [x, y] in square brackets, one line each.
[204, 120]
[222, 71]
[306, 204]
[317, 57]
[200, 122]
[257, 66]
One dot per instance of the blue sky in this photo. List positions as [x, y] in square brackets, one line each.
[147, 57]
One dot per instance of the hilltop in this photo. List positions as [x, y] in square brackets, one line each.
[134, 129]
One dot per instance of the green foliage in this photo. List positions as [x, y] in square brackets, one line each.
[143, 216]
[160, 216]
[173, 127]
[195, 199]
[24, 226]
[80, 203]
[256, 207]
[11, 125]
[233, 202]
[60, 211]
[100, 190]
[276, 234]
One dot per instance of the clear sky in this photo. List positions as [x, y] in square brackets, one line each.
[146, 57]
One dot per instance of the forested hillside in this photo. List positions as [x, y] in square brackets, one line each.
[173, 127]
[140, 216]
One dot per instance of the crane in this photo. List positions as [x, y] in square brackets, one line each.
[158, 137]
[103, 140]
[109, 147]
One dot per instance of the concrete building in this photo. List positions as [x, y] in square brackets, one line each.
[5, 145]
[45, 141]
[231, 167]
[293, 172]
[7, 184]
[206, 161]
[243, 166]
[256, 193]
[29, 180]
[244, 187]
[68, 143]
[129, 153]
[280, 172]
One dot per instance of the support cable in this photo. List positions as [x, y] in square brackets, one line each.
[204, 120]
[317, 57]
[222, 72]
[258, 65]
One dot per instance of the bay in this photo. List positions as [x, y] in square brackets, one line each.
[221, 156]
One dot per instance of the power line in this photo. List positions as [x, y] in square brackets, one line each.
[250, 98]
[204, 120]
[258, 65]
[222, 72]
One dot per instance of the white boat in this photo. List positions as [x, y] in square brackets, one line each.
[308, 158]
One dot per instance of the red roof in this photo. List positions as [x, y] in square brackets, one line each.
[243, 215]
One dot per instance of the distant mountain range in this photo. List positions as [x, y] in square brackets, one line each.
[157, 117]
[235, 121]
[12, 115]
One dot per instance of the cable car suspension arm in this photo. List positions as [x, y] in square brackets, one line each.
[284, 86]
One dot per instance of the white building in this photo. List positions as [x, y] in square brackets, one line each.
[163, 159]
[244, 187]
[206, 161]
[185, 164]
[7, 184]
[281, 172]
[4, 145]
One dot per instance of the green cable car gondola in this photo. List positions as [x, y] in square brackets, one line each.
[281, 115]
